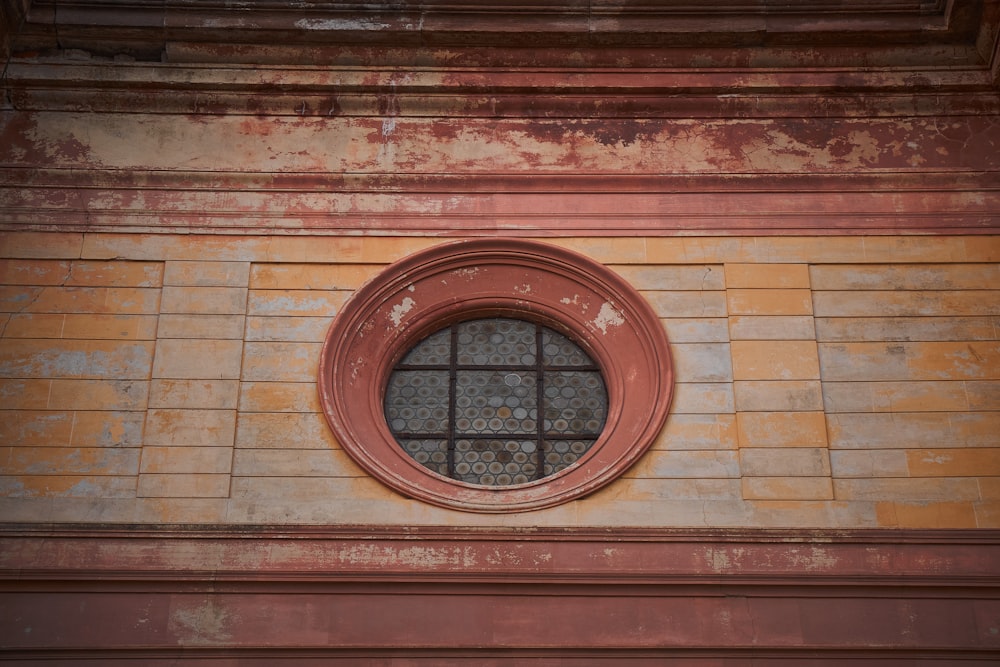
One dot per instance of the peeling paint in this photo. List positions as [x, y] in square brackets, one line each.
[608, 316]
[401, 309]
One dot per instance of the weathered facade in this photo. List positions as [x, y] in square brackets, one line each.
[805, 197]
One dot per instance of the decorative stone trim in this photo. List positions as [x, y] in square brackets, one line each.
[496, 278]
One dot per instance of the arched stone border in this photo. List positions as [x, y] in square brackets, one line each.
[486, 278]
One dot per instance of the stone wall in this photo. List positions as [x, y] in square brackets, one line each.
[833, 382]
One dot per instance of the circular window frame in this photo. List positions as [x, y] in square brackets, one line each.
[465, 280]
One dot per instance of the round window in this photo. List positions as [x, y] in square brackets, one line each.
[496, 401]
[496, 376]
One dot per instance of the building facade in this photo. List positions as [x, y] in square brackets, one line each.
[770, 229]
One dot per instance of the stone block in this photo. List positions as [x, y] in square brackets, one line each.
[279, 397]
[869, 463]
[778, 396]
[183, 427]
[98, 395]
[302, 303]
[914, 430]
[281, 362]
[62, 461]
[67, 486]
[882, 303]
[784, 462]
[949, 515]
[204, 300]
[702, 398]
[187, 485]
[107, 428]
[695, 431]
[687, 304]
[925, 396]
[767, 276]
[953, 462]
[188, 459]
[41, 245]
[702, 362]
[922, 276]
[206, 274]
[769, 302]
[686, 464]
[787, 488]
[781, 429]
[285, 430]
[668, 277]
[204, 394]
[99, 300]
[98, 359]
[696, 329]
[198, 359]
[775, 360]
[289, 329]
[219, 327]
[312, 276]
[771, 327]
[873, 329]
[915, 489]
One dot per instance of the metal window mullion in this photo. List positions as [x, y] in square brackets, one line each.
[452, 397]
[539, 402]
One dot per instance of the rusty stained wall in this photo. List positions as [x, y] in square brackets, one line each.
[838, 382]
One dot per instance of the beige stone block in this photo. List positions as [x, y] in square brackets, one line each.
[781, 429]
[189, 459]
[299, 303]
[883, 303]
[42, 245]
[281, 362]
[667, 277]
[694, 431]
[696, 329]
[873, 329]
[67, 486]
[158, 247]
[921, 276]
[204, 394]
[206, 428]
[279, 397]
[922, 489]
[691, 464]
[767, 276]
[954, 462]
[198, 359]
[702, 362]
[784, 462]
[98, 395]
[183, 485]
[97, 300]
[775, 360]
[288, 329]
[811, 514]
[218, 327]
[771, 327]
[788, 488]
[207, 274]
[702, 398]
[687, 304]
[285, 430]
[921, 514]
[204, 300]
[24, 394]
[769, 302]
[107, 428]
[294, 463]
[312, 276]
[59, 461]
[84, 359]
[914, 430]
[778, 396]
[869, 463]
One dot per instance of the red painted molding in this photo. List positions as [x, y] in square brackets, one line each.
[452, 282]
[496, 596]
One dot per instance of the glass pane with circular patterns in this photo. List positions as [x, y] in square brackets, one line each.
[496, 402]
